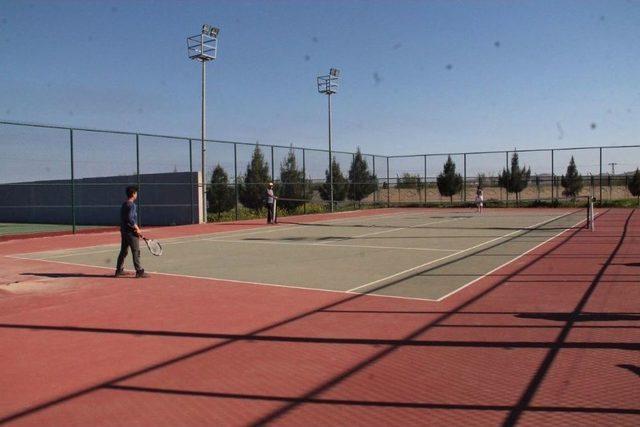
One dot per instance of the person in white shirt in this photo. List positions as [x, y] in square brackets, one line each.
[479, 200]
[271, 218]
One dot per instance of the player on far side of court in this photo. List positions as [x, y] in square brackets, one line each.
[271, 214]
[129, 234]
[479, 200]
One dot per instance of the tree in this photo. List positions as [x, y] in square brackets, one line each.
[254, 185]
[516, 179]
[634, 185]
[221, 198]
[409, 180]
[449, 182]
[339, 184]
[292, 183]
[482, 180]
[361, 181]
[572, 181]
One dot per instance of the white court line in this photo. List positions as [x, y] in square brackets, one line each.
[273, 242]
[216, 279]
[390, 231]
[509, 262]
[457, 253]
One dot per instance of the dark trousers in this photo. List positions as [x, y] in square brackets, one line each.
[270, 213]
[129, 240]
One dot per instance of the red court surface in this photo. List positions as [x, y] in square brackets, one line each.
[551, 338]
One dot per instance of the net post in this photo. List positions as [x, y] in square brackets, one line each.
[592, 216]
[73, 191]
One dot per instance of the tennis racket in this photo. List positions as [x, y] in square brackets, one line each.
[154, 246]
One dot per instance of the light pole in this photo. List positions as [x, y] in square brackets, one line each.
[329, 85]
[203, 47]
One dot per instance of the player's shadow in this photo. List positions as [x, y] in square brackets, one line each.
[59, 275]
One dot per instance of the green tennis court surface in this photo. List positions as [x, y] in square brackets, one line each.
[425, 255]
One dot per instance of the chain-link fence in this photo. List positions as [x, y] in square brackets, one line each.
[70, 178]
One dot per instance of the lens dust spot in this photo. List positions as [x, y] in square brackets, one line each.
[449, 67]
[593, 126]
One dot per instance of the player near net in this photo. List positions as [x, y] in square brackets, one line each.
[479, 200]
[130, 232]
[271, 205]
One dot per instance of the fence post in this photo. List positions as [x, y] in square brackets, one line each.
[138, 178]
[601, 176]
[425, 180]
[191, 178]
[388, 186]
[273, 170]
[374, 174]
[353, 159]
[506, 190]
[235, 175]
[553, 177]
[304, 181]
[464, 182]
[73, 191]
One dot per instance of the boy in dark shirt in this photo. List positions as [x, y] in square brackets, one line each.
[129, 233]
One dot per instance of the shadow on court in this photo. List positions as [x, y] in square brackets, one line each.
[62, 275]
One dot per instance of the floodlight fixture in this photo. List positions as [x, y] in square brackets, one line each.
[334, 72]
[203, 47]
[210, 30]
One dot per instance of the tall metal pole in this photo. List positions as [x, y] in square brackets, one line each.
[330, 154]
[204, 149]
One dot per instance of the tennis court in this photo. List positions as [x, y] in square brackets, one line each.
[423, 254]
[377, 317]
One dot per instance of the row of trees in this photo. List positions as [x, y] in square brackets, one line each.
[292, 185]
[360, 183]
[516, 178]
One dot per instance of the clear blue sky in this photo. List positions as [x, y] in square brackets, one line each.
[418, 76]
